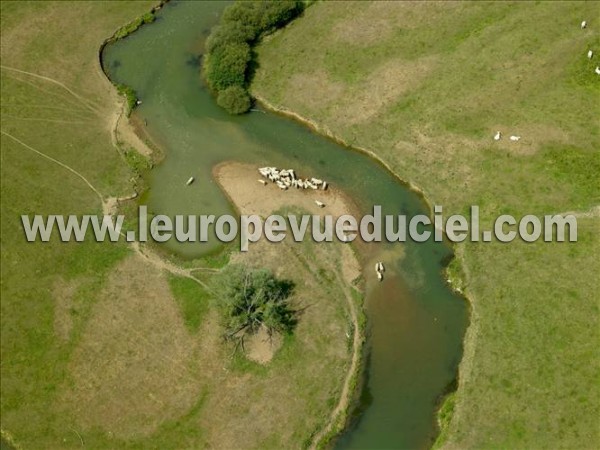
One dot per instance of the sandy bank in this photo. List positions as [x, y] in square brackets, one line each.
[240, 182]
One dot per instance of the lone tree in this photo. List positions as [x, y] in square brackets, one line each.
[251, 299]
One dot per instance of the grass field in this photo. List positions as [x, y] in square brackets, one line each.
[101, 346]
[425, 86]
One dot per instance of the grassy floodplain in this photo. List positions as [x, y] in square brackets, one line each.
[424, 86]
[102, 346]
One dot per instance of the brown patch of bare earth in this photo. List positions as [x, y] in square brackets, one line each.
[131, 369]
[378, 90]
[261, 347]
[384, 86]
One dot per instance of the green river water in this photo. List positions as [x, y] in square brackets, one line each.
[416, 324]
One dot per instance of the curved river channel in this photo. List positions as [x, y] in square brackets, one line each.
[416, 324]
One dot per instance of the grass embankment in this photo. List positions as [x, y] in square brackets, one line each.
[424, 86]
[102, 345]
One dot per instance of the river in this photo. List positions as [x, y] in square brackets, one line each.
[416, 324]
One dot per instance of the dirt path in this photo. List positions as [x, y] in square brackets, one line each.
[85, 102]
[50, 158]
[593, 212]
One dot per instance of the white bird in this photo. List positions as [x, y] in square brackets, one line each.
[515, 138]
[320, 204]
[590, 54]
[497, 136]
[190, 181]
[583, 24]
[597, 70]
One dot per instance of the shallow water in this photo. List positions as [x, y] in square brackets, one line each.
[416, 324]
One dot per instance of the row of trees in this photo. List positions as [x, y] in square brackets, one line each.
[229, 59]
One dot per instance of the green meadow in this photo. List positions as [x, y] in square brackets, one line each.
[425, 86]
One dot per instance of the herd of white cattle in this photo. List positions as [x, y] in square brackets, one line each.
[286, 178]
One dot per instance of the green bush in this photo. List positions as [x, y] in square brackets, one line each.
[126, 30]
[226, 66]
[130, 96]
[229, 47]
[234, 99]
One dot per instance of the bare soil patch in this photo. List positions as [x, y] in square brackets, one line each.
[131, 369]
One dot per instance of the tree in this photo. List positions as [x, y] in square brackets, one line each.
[234, 99]
[229, 57]
[250, 299]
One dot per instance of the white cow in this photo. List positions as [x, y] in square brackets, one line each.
[590, 54]
[497, 136]
[583, 24]
[263, 182]
[320, 204]
[515, 138]
[597, 70]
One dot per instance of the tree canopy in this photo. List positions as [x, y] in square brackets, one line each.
[250, 299]
[229, 46]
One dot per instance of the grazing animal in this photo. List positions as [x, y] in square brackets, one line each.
[597, 70]
[190, 181]
[263, 182]
[324, 185]
[379, 270]
[320, 204]
[497, 136]
[515, 138]
[583, 24]
[590, 54]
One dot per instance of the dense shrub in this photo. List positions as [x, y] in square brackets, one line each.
[130, 97]
[234, 99]
[226, 65]
[229, 46]
[134, 25]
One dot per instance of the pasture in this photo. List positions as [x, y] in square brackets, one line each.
[424, 86]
